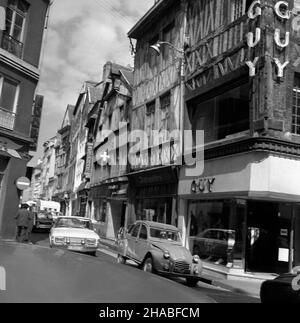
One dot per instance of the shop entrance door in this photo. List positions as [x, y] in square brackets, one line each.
[268, 234]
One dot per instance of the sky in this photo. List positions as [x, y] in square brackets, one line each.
[81, 36]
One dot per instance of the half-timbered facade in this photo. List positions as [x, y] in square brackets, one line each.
[242, 85]
[109, 182]
[157, 102]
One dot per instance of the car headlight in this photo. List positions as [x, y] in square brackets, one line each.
[196, 259]
[59, 240]
[167, 255]
[91, 241]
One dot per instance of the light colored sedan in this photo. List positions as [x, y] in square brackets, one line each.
[157, 247]
[75, 234]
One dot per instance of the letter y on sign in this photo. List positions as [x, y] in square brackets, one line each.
[2, 18]
[2, 279]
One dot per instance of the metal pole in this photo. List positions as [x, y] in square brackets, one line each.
[182, 82]
[292, 238]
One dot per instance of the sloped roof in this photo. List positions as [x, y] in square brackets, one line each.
[151, 16]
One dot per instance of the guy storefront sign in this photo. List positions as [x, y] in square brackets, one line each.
[202, 185]
[283, 14]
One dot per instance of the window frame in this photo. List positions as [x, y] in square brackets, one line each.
[17, 93]
[15, 11]
[143, 238]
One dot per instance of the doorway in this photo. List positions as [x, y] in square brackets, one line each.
[268, 236]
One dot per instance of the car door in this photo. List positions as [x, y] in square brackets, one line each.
[132, 238]
[142, 244]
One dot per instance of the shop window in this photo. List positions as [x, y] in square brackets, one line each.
[216, 231]
[100, 212]
[223, 116]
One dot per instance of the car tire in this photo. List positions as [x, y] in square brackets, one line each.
[192, 282]
[93, 254]
[121, 260]
[148, 265]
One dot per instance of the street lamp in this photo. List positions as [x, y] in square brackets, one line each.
[157, 49]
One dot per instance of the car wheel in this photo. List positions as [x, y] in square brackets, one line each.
[192, 282]
[121, 260]
[94, 253]
[148, 265]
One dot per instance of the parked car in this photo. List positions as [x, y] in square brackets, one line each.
[75, 234]
[42, 220]
[216, 244]
[283, 289]
[157, 247]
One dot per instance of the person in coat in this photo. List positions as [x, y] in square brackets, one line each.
[23, 219]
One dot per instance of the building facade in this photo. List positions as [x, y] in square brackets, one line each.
[48, 178]
[78, 181]
[157, 102]
[62, 159]
[241, 215]
[20, 47]
[109, 183]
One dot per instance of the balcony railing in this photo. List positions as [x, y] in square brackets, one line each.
[7, 119]
[12, 45]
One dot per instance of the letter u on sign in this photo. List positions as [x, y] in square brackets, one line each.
[2, 279]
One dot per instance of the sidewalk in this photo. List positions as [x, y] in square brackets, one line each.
[244, 287]
[249, 288]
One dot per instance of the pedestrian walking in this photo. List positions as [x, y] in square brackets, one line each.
[30, 226]
[23, 220]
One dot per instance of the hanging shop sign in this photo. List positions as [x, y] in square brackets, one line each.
[281, 9]
[203, 185]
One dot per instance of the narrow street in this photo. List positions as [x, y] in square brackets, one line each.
[217, 294]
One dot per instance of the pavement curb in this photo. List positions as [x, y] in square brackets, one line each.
[233, 289]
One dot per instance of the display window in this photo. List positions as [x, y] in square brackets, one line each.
[156, 209]
[216, 231]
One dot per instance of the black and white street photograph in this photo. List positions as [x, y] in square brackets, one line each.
[149, 155]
